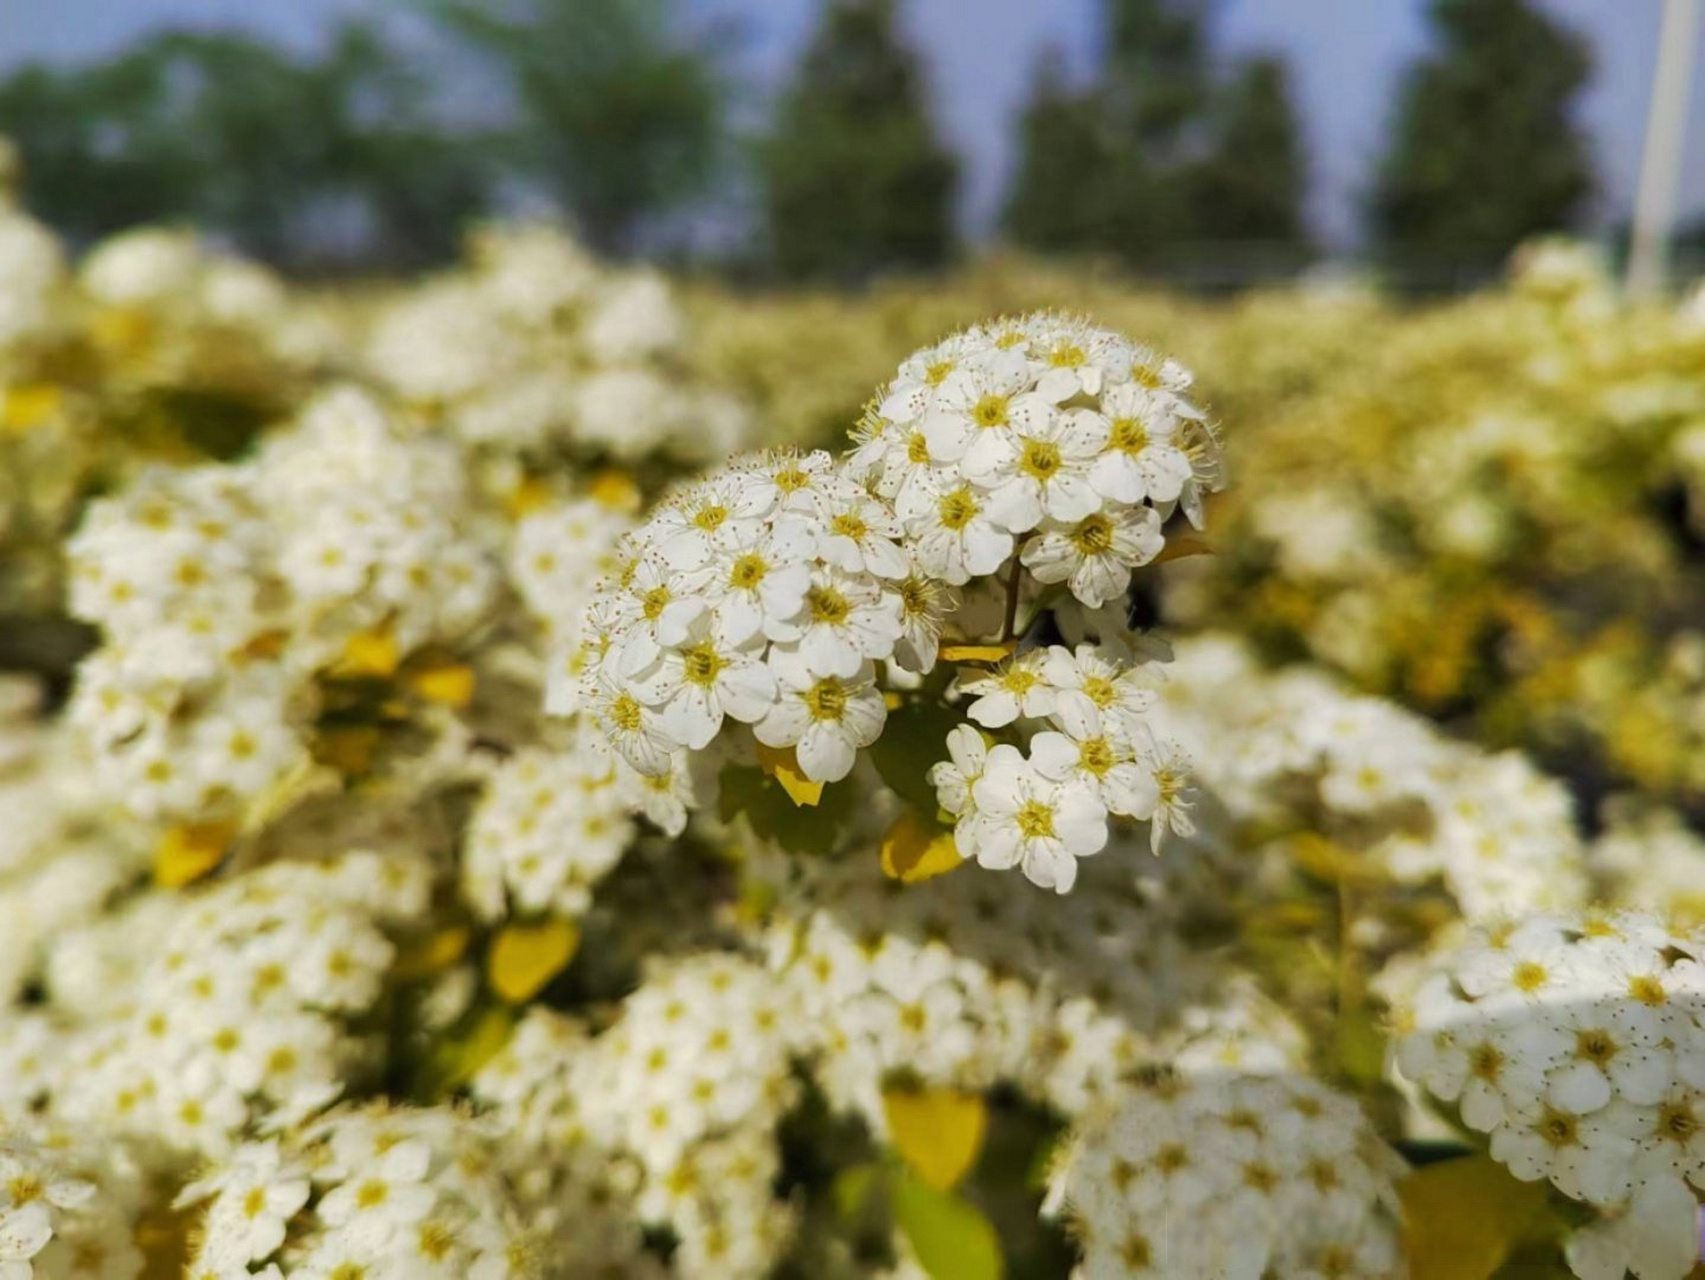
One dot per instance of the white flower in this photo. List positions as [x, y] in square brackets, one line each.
[826, 718]
[1016, 688]
[1139, 459]
[1095, 556]
[846, 622]
[1026, 819]
[24, 1232]
[952, 534]
[698, 683]
[1041, 469]
[758, 587]
[954, 777]
[1093, 696]
[1105, 766]
[983, 396]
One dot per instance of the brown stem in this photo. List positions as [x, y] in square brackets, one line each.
[1012, 595]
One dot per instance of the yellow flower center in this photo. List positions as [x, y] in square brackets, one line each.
[917, 449]
[937, 373]
[1677, 1122]
[1647, 989]
[1041, 459]
[1127, 435]
[1068, 355]
[791, 479]
[1094, 536]
[701, 664]
[24, 1188]
[826, 700]
[1595, 1046]
[849, 525]
[1146, 375]
[1558, 1128]
[990, 411]
[372, 1194]
[827, 606]
[1485, 1062]
[254, 1202]
[1096, 757]
[710, 517]
[653, 602]
[625, 713]
[1099, 690]
[1018, 680]
[1529, 976]
[747, 572]
[436, 1241]
[1035, 820]
[958, 509]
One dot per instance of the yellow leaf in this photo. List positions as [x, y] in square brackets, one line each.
[783, 765]
[938, 1132]
[1181, 545]
[915, 850]
[186, 853]
[24, 408]
[370, 654]
[432, 954]
[449, 683]
[978, 652]
[1462, 1217]
[525, 957]
[617, 490]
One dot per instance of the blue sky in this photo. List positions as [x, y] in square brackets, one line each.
[1346, 57]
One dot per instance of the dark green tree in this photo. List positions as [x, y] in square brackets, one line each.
[619, 118]
[1164, 158]
[854, 177]
[1484, 152]
[1053, 204]
[1251, 186]
[248, 143]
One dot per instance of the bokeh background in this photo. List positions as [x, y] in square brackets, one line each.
[1210, 143]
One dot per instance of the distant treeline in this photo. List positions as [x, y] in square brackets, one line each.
[1173, 158]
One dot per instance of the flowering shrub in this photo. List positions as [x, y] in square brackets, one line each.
[515, 787]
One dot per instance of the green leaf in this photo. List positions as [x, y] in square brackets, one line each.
[914, 738]
[1462, 1218]
[852, 1190]
[773, 815]
[950, 1236]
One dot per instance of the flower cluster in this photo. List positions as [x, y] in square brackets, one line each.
[764, 595]
[956, 984]
[67, 1207]
[189, 1023]
[690, 1082]
[224, 592]
[1578, 1044]
[1045, 436]
[548, 828]
[1294, 751]
[1095, 757]
[534, 347]
[374, 1190]
[1240, 1176]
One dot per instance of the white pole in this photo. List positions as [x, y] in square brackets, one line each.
[1660, 158]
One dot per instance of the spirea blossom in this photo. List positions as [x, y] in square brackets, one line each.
[1235, 1176]
[1577, 1044]
[1045, 436]
[764, 595]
